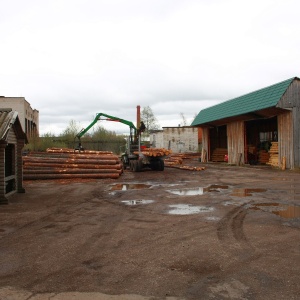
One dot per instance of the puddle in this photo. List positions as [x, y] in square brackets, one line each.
[213, 219]
[284, 211]
[187, 209]
[198, 191]
[129, 186]
[246, 192]
[136, 202]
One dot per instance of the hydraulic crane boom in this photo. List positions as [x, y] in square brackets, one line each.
[134, 132]
[108, 118]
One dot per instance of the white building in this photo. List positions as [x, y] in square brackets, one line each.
[178, 139]
[29, 118]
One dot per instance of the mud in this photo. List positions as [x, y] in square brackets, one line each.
[101, 240]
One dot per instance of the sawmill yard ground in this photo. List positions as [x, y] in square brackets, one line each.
[227, 232]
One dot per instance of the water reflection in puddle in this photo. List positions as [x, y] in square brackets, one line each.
[187, 209]
[136, 202]
[129, 186]
[284, 211]
[246, 192]
[198, 191]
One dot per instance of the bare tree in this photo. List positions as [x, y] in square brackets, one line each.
[183, 119]
[149, 119]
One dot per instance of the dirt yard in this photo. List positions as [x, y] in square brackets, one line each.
[223, 233]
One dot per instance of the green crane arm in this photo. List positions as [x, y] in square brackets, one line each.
[108, 118]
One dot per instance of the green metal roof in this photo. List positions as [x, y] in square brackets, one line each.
[257, 100]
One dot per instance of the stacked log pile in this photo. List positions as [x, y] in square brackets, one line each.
[218, 154]
[274, 157]
[173, 160]
[176, 161]
[58, 163]
[155, 152]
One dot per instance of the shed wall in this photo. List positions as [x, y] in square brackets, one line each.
[235, 142]
[291, 96]
[11, 137]
[285, 139]
[296, 136]
[205, 144]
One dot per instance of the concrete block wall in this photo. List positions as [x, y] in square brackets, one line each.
[178, 139]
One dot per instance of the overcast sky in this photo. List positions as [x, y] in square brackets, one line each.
[71, 59]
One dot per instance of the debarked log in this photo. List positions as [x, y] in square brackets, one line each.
[72, 161]
[70, 176]
[79, 166]
[68, 150]
[70, 155]
[70, 171]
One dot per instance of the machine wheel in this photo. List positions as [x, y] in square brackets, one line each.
[123, 164]
[161, 165]
[135, 166]
[131, 165]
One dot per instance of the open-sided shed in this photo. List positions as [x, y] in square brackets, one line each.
[12, 141]
[252, 122]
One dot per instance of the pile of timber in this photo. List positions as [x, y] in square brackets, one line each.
[218, 154]
[263, 156]
[61, 163]
[176, 161]
[155, 152]
[274, 157]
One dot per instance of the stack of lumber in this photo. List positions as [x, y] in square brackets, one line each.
[274, 158]
[66, 164]
[218, 154]
[263, 156]
[155, 152]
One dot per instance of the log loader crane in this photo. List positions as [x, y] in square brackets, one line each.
[133, 158]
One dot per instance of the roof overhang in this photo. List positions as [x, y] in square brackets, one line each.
[255, 115]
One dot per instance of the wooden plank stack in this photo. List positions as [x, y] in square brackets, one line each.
[274, 157]
[218, 154]
[263, 156]
[57, 163]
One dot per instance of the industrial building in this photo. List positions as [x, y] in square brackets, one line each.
[263, 123]
[29, 118]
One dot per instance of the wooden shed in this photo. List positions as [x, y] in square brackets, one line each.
[247, 127]
[12, 141]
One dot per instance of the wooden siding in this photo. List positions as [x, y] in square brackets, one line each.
[296, 136]
[291, 97]
[235, 142]
[205, 144]
[285, 139]
[3, 199]
[11, 137]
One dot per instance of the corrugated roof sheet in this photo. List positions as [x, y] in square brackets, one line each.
[254, 101]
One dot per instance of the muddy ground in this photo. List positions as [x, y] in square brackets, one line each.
[224, 233]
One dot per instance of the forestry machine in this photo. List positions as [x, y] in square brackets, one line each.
[133, 157]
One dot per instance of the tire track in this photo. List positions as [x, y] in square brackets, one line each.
[230, 230]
